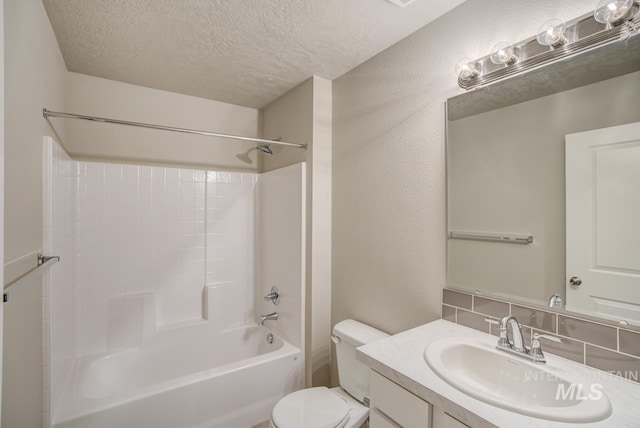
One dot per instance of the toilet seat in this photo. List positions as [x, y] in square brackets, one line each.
[311, 408]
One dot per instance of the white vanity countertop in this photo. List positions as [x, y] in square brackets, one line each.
[400, 358]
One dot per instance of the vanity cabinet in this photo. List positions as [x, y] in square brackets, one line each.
[395, 406]
[392, 406]
[441, 419]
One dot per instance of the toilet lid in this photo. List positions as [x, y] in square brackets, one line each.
[311, 408]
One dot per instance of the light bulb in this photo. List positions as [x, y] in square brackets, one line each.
[551, 33]
[466, 69]
[612, 11]
[503, 53]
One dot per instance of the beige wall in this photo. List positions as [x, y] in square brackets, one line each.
[506, 173]
[1, 181]
[94, 96]
[35, 77]
[388, 160]
[320, 159]
[289, 118]
[304, 115]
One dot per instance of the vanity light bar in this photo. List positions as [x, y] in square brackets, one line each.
[507, 238]
[579, 35]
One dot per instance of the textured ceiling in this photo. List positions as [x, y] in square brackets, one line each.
[246, 52]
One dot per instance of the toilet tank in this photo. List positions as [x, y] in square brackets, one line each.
[352, 374]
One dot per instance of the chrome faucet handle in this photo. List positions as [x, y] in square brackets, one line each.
[274, 296]
[537, 336]
[536, 348]
[503, 342]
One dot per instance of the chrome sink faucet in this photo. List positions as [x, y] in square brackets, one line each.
[517, 341]
[516, 345]
[272, 316]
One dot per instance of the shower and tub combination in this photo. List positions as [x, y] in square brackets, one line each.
[150, 319]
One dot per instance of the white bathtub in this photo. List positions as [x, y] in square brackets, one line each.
[232, 380]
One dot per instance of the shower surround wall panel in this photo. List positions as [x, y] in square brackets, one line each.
[230, 236]
[59, 293]
[133, 220]
[141, 250]
[158, 259]
[282, 248]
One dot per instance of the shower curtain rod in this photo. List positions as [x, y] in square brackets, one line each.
[47, 114]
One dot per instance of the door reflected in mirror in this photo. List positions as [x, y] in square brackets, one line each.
[603, 222]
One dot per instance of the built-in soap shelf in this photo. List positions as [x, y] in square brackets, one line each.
[141, 310]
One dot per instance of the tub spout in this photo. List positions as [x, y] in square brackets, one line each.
[271, 316]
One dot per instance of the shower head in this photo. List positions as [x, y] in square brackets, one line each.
[265, 149]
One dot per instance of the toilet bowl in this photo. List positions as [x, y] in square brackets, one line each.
[340, 407]
[319, 407]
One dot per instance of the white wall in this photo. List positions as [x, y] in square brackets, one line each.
[35, 77]
[388, 160]
[303, 115]
[94, 96]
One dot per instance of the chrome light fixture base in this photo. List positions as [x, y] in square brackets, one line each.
[579, 35]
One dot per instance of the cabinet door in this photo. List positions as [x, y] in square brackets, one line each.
[398, 404]
[378, 420]
[444, 420]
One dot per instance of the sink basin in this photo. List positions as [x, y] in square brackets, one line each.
[476, 368]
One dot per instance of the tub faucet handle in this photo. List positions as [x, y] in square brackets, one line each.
[273, 297]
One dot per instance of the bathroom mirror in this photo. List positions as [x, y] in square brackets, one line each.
[512, 200]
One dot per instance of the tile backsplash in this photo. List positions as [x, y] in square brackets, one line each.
[606, 347]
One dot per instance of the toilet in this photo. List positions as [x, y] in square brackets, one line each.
[341, 407]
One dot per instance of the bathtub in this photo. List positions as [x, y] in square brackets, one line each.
[231, 380]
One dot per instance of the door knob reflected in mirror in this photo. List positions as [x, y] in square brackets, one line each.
[575, 281]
